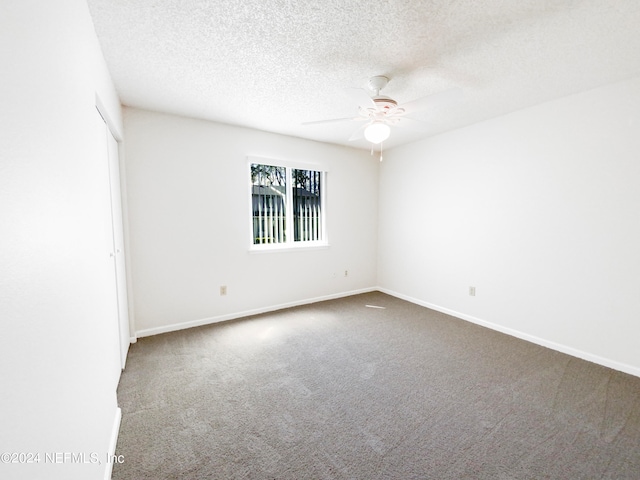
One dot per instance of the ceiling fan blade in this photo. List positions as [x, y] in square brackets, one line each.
[335, 120]
[360, 97]
[413, 124]
[359, 132]
[434, 101]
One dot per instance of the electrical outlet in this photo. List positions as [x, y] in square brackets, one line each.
[472, 291]
[223, 290]
[346, 273]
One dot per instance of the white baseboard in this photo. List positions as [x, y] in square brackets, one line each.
[112, 443]
[605, 362]
[232, 316]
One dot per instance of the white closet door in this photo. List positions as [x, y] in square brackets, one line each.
[117, 243]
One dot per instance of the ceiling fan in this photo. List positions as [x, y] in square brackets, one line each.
[379, 112]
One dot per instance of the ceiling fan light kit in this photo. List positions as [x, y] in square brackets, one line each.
[377, 132]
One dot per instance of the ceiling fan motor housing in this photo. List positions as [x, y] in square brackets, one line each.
[384, 103]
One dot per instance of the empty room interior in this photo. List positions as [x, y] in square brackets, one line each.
[342, 239]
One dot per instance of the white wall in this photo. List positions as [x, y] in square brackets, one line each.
[187, 188]
[539, 210]
[58, 346]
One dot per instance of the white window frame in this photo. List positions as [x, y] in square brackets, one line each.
[289, 243]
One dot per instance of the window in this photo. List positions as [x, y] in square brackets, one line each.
[287, 206]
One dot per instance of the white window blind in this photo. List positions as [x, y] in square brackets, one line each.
[287, 205]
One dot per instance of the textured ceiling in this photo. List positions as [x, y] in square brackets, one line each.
[274, 64]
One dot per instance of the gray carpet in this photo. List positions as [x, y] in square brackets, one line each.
[339, 390]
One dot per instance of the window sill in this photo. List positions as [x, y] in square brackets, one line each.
[305, 247]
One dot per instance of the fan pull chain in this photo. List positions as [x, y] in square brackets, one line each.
[381, 151]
